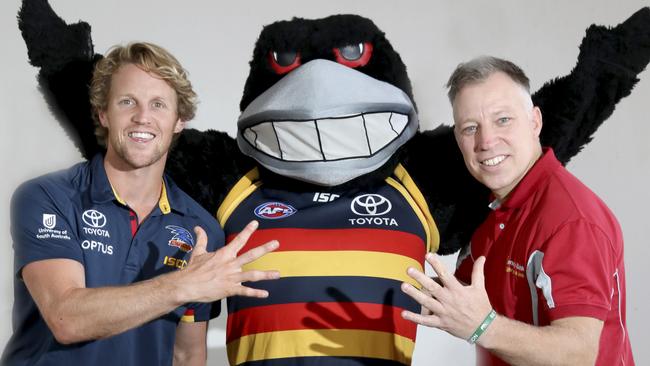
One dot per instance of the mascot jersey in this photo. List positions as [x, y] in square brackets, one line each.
[342, 258]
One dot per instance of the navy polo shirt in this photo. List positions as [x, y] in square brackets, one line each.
[75, 214]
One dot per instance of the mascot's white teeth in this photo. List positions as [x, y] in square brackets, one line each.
[494, 161]
[329, 138]
[141, 135]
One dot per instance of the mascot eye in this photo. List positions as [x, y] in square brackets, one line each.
[283, 62]
[354, 55]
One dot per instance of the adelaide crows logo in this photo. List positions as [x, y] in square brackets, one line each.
[181, 238]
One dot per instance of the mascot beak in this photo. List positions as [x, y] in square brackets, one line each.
[326, 124]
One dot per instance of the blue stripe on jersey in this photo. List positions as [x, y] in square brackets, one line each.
[327, 289]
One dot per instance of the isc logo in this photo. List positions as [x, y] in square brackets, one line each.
[175, 262]
[274, 210]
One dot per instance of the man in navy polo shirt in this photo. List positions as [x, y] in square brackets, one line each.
[545, 270]
[112, 264]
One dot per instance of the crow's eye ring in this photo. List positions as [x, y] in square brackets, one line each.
[283, 62]
[354, 55]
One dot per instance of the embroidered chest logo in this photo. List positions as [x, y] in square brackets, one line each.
[95, 221]
[274, 210]
[515, 268]
[94, 218]
[181, 238]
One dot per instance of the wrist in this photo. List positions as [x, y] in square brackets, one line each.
[482, 327]
[487, 339]
[170, 284]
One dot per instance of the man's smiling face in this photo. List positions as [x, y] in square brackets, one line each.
[141, 118]
[497, 130]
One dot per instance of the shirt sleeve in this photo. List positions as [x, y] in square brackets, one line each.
[40, 229]
[200, 312]
[577, 273]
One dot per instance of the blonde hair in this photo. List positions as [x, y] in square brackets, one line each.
[150, 58]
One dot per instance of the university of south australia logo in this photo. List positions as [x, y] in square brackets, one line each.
[49, 221]
[274, 210]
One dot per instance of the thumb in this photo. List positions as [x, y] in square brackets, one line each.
[201, 242]
[478, 279]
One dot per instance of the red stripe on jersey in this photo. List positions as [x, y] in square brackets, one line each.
[134, 222]
[318, 315]
[375, 240]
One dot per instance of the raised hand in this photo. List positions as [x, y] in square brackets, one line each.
[211, 276]
[449, 305]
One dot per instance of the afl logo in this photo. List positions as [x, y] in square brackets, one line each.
[274, 210]
[370, 205]
[94, 218]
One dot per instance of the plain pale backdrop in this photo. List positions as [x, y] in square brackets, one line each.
[214, 41]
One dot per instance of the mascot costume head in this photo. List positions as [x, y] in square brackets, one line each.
[328, 157]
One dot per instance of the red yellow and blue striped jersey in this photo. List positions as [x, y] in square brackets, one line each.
[342, 259]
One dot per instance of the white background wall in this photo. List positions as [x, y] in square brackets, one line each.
[215, 42]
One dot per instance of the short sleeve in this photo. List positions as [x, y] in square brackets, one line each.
[39, 228]
[577, 273]
[200, 312]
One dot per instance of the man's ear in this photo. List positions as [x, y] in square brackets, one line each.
[180, 125]
[103, 120]
[537, 120]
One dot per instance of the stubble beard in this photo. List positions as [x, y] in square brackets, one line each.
[134, 158]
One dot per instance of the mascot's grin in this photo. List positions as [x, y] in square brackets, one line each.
[327, 124]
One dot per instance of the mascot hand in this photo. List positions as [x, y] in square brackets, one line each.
[51, 43]
[626, 45]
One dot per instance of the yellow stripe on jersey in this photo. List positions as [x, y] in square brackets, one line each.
[320, 342]
[244, 187]
[419, 204]
[187, 318]
[336, 264]
[163, 202]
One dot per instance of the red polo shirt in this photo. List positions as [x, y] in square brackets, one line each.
[554, 250]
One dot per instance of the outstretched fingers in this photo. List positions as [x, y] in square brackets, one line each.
[240, 240]
[257, 252]
[446, 278]
[428, 302]
[428, 320]
[254, 276]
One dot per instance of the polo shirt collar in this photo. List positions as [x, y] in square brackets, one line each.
[541, 170]
[101, 190]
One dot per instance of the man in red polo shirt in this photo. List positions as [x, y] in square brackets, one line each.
[545, 270]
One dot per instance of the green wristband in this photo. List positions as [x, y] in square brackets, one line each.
[481, 328]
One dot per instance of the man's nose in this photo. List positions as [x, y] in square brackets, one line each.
[486, 137]
[142, 115]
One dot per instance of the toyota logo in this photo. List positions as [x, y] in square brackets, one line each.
[370, 205]
[94, 218]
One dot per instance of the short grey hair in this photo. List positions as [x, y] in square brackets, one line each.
[479, 69]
